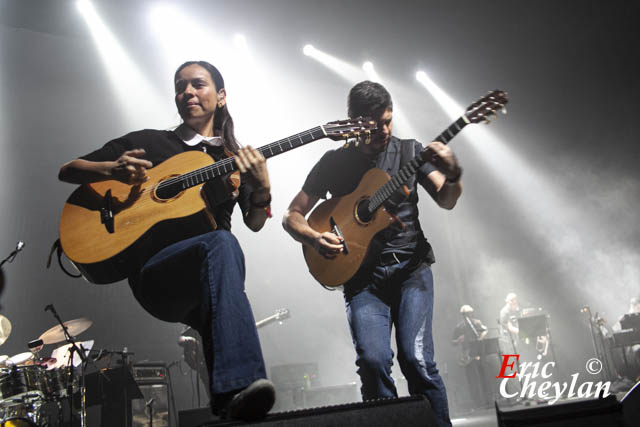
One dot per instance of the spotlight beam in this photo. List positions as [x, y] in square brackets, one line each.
[345, 70]
[126, 78]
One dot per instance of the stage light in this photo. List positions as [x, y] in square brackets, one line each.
[371, 72]
[347, 71]
[124, 74]
[308, 50]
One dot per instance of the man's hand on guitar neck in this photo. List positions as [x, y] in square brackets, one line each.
[443, 184]
[442, 157]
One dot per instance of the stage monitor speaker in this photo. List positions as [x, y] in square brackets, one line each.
[577, 413]
[631, 406]
[413, 411]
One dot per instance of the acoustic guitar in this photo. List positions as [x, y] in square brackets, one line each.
[109, 229]
[360, 215]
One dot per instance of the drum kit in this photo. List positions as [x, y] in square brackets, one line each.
[33, 388]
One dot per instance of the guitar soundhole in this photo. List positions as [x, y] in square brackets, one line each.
[167, 190]
[362, 211]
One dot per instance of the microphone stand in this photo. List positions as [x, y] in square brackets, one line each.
[83, 357]
[13, 254]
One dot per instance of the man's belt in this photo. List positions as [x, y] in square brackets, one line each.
[392, 258]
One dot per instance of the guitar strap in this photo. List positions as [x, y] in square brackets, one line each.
[424, 251]
[406, 149]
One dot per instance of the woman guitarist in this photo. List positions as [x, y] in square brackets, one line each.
[200, 280]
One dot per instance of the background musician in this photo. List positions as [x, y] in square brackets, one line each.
[468, 330]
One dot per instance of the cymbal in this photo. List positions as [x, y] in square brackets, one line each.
[21, 359]
[5, 329]
[75, 327]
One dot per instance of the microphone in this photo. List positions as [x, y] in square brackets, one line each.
[184, 340]
[19, 245]
[50, 308]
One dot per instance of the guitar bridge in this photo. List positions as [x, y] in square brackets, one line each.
[106, 212]
[336, 230]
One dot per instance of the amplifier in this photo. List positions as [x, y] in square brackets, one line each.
[150, 372]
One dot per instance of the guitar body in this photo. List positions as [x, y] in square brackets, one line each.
[357, 234]
[144, 222]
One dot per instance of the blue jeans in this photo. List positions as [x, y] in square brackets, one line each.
[200, 281]
[402, 297]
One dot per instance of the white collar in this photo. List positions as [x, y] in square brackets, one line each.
[192, 138]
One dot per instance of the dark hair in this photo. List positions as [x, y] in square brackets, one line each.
[368, 99]
[222, 120]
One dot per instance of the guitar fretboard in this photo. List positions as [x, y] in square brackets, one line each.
[408, 170]
[228, 165]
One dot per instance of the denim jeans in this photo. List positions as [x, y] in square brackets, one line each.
[200, 281]
[396, 295]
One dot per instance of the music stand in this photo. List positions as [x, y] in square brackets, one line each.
[484, 347]
[532, 327]
[478, 349]
[630, 321]
[113, 389]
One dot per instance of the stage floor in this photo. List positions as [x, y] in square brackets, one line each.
[479, 418]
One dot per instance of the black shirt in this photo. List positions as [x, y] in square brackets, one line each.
[159, 145]
[339, 172]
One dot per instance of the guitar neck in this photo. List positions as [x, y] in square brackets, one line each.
[408, 170]
[228, 165]
[267, 320]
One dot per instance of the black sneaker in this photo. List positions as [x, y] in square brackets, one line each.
[253, 402]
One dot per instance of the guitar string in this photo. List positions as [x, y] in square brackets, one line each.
[223, 164]
[226, 162]
[264, 148]
[229, 160]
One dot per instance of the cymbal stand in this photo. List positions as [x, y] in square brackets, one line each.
[81, 352]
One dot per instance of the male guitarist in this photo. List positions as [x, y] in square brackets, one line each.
[199, 280]
[396, 286]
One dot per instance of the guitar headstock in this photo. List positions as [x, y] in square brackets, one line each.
[485, 109]
[281, 314]
[357, 128]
